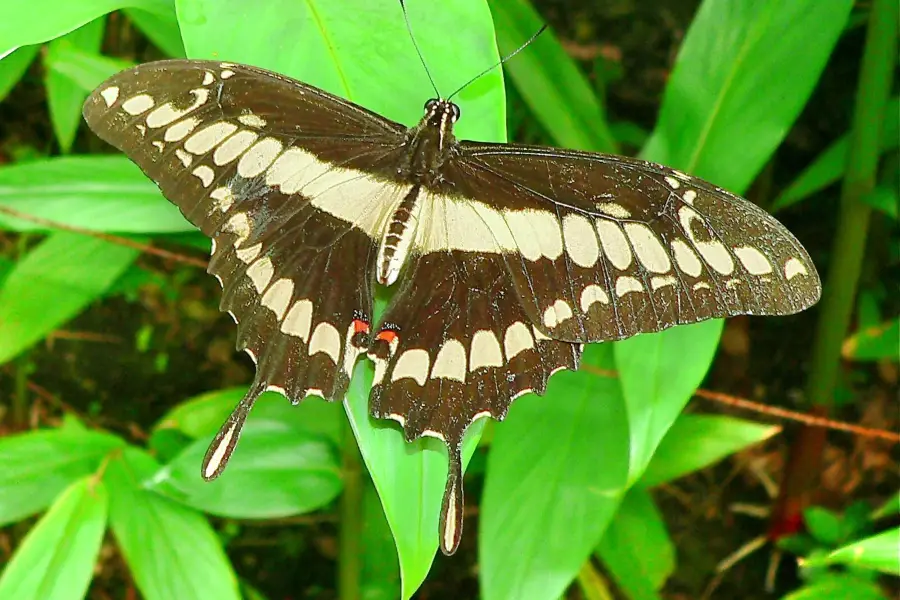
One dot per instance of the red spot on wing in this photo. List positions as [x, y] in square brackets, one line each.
[360, 326]
[387, 335]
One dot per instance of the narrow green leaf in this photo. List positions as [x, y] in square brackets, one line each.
[39, 465]
[549, 81]
[161, 28]
[19, 27]
[874, 343]
[83, 68]
[697, 441]
[556, 473]
[636, 547]
[880, 552]
[171, 550]
[743, 74]
[838, 587]
[276, 472]
[52, 284]
[64, 97]
[380, 575]
[101, 193]
[889, 508]
[57, 558]
[13, 67]
[828, 167]
[658, 373]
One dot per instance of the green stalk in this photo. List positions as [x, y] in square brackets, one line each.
[350, 547]
[839, 291]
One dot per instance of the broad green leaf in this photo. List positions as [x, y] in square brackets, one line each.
[275, 472]
[409, 478]
[64, 97]
[549, 81]
[171, 549]
[101, 193]
[203, 415]
[824, 525]
[742, 76]
[56, 559]
[13, 67]
[828, 167]
[697, 441]
[838, 587]
[363, 55]
[53, 283]
[85, 69]
[39, 465]
[880, 552]
[161, 28]
[636, 547]
[556, 473]
[380, 573]
[19, 27]
[658, 373]
[874, 343]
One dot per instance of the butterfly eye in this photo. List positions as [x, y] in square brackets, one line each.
[429, 106]
[455, 112]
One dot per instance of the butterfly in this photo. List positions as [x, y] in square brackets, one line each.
[506, 259]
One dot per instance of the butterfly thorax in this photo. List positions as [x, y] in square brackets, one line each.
[429, 146]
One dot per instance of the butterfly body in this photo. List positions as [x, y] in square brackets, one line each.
[504, 259]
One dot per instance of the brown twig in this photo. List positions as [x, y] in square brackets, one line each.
[107, 237]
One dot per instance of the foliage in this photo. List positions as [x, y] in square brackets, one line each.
[554, 488]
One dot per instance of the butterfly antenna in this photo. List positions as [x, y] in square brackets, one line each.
[502, 60]
[418, 51]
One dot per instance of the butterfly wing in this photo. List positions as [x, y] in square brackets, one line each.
[603, 247]
[287, 199]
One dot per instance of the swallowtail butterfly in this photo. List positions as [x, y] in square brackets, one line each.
[507, 258]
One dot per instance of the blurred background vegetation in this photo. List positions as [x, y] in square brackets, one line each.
[117, 367]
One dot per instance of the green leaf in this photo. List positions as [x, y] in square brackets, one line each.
[658, 373]
[203, 415]
[823, 525]
[56, 559]
[101, 193]
[52, 284]
[742, 76]
[380, 573]
[14, 66]
[556, 472]
[880, 552]
[828, 167]
[380, 69]
[409, 477]
[874, 343]
[161, 28]
[19, 27]
[838, 587]
[636, 547]
[84, 69]
[39, 465]
[64, 97]
[171, 550]
[549, 81]
[889, 508]
[697, 441]
[275, 472]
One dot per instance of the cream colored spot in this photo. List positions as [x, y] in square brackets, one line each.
[794, 267]
[581, 240]
[614, 209]
[701, 285]
[673, 183]
[626, 284]
[648, 248]
[210, 136]
[142, 129]
[662, 281]
[138, 104]
[110, 95]
[394, 416]
[258, 158]
[298, 320]
[249, 254]
[413, 364]
[204, 174]
[167, 113]
[159, 145]
[226, 73]
[208, 78]
[325, 339]
[260, 273]
[558, 312]
[517, 339]
[753, 260]
[185, 158]
[251, 120]
[536, 232]
[713, 252]
[221, 450]
[591, 295]
[614, 244]
[233, 147]
[485, 350]
[180, 129]
[686, 258]
[223, 196]
[451, 361]
[539, 335]
[457, 224]
[239, 224]
[278, 296]
[689, 196]
[288, 169]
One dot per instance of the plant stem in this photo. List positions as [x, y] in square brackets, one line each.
[350, 550]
